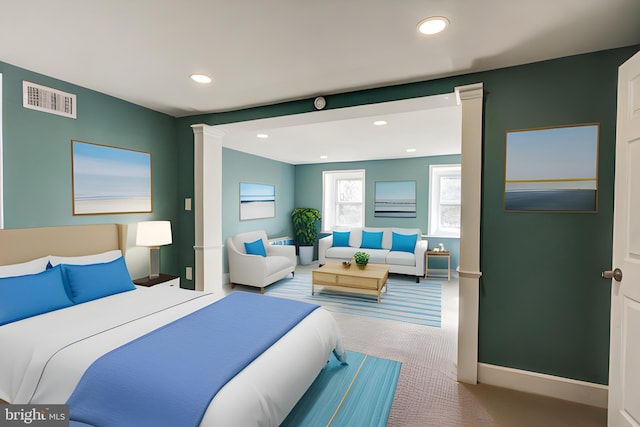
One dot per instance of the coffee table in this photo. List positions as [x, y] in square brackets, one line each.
[335, 276]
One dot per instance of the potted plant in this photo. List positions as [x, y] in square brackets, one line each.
[361, 259]
[306, 231]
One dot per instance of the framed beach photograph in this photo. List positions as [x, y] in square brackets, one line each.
[395, 199]
[257, 201]
[109, 180]
[552, 169]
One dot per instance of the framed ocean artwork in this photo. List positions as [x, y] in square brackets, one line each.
[109, 180]
[552, 169]
[257, 201]
[395, 199]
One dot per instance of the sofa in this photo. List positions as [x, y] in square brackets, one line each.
[402, 249]
[258, 263]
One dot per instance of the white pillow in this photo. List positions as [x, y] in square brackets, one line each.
[86, 259]
[30, 267]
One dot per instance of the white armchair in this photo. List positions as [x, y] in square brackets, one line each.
[256, 270]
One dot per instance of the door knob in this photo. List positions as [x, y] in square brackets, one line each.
[616, 275]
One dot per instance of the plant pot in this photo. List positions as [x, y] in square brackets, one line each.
[305, 254]
[361, 266]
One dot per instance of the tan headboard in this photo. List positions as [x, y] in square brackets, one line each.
[24, 244]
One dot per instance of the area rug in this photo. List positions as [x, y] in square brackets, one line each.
[359, 393]
[404, 301]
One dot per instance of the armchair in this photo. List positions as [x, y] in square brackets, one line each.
[256, 270]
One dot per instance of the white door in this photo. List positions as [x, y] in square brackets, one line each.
[624, 364]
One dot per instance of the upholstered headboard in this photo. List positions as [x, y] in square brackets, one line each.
[24, 244]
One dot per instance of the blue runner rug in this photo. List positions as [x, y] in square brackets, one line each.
[359, 393]
[404, 301]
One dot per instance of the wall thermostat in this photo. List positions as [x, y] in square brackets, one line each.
[319, 103]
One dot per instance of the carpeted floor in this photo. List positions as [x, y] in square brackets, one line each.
[428, 394]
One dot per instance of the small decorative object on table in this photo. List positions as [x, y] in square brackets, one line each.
[346, 264]
[361, 258]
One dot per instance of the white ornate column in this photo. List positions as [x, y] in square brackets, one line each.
[207, 165]
[470, 97]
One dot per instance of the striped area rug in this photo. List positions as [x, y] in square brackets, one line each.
[359, 393]
[404, 301]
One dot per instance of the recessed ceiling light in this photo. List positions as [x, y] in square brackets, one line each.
[433, 25]
[380, 123]
[262, 136]
[200, 78]
[324, 157]
[411, 150]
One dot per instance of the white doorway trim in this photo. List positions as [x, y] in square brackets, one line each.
[471, 99]
[208, 142]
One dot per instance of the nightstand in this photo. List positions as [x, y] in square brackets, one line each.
[162, 280]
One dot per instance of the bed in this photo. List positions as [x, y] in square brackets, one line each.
[46, 357]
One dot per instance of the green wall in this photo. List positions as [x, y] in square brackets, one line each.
[543, 306]
[37, 155]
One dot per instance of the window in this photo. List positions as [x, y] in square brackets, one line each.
[342, 199]
[444, 200]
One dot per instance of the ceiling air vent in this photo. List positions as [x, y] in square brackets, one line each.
[49, 100]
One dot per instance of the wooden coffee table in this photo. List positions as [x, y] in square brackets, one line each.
[335, 276]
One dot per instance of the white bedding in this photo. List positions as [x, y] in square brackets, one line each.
[43, 357]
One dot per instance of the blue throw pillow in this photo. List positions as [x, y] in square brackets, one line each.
[32, 294]
[255, 248]
[93, 281]
[341, 238]
[371, 239]
[403, 242]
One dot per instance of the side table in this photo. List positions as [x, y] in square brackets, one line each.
[162, 280]
[447, 254]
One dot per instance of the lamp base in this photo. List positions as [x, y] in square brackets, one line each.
[154, 263]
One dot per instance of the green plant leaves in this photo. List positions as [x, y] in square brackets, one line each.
[304, 225]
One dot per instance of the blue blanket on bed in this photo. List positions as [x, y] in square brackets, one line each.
[169, 376]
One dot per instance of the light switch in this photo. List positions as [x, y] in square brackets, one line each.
[187, 204]
[188, 273]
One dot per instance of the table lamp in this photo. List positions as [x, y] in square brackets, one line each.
[154, 234]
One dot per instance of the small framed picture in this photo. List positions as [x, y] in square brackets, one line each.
[257, 201]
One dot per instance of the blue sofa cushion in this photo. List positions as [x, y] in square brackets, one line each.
[403, 242]
[371, 240]
[341, 239]
[255, 248]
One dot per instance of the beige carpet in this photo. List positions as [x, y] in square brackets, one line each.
[428, 393]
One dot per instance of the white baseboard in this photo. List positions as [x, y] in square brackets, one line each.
[547, 385]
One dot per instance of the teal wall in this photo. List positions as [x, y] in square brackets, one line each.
[543, 306]
[308, 191]
[37, 155]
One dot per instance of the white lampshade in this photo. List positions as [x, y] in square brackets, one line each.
[153, 233]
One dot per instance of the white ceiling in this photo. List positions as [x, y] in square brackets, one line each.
[429, 125]
[263, 52]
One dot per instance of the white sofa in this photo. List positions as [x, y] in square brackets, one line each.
[256, 270]
[400, 262]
